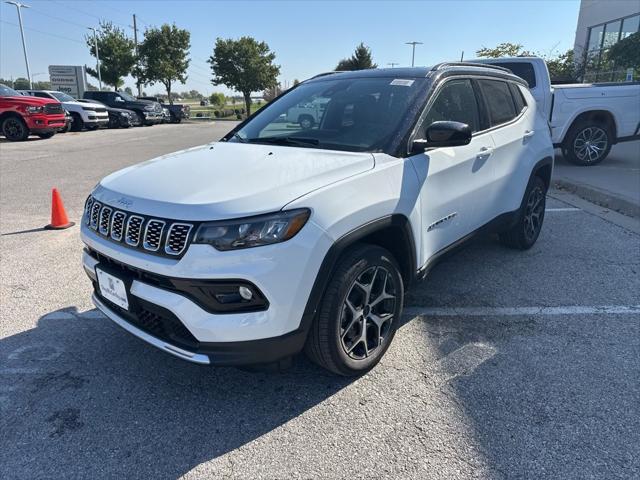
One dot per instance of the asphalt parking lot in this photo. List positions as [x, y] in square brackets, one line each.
[507, 365]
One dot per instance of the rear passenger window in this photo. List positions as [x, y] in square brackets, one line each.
[499, 101]
[521, 69]
[455, 102]
[518, 97]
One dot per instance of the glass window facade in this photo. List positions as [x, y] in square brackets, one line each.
[597, 67]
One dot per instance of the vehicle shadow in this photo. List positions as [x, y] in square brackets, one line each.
[544, 396]
[79, 397]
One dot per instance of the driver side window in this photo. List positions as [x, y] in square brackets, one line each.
[455, 102]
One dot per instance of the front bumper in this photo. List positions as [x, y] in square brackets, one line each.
[43, 123]
[284, 273]
[152, 117]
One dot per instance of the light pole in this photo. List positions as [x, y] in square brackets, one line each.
[24, 45]
[35, 75]
[95, 41]
[413, 50]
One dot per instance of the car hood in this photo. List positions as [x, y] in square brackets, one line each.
[83, 104]
[226, 180]
[29, 100]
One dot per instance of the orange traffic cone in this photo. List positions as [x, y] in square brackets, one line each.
[59, 218]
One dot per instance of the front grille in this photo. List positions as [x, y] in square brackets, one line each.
[177, 238]
[134, 227]
[101, 110]
[53, 108]
[153, 235]
[105, 220]
[117, 225]
[95, 214]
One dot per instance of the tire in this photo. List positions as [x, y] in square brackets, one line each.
[140, 118]
[14, 129]
[524, 233]
[336, 341]
[46, 135]
[588, 143]
[306, 122]
[78, 123]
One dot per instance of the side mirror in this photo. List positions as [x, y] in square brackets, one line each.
[444, 134]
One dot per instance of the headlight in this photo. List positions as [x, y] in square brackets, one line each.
[149, 108]
[252, 231]
[35, 109]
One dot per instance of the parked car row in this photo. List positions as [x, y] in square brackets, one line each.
[47, 112]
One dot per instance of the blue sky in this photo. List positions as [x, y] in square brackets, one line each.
[308, 37]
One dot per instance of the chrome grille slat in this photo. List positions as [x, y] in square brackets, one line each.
[153, 234]
[177, 238]
[134, 227]
[157, 236]
[117, 225]
[105, 220]
[95, 215]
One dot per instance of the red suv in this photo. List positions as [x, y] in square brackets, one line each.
[21, 116]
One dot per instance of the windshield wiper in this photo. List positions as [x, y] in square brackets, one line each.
[236, 135]
[285, 140]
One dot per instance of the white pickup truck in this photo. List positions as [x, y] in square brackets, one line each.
[585, 119]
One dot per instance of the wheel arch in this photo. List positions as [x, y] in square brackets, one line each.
[6, 115]
[392, 232]
[543, 169]
[601, 116]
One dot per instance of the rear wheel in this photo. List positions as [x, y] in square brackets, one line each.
[359, 313]
[524, 233]
[14, 129]
[588, 143]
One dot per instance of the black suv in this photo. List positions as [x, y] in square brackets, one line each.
[149, 113]
[177, 111]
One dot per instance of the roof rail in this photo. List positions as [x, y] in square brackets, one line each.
[442, 65]
[323, 74]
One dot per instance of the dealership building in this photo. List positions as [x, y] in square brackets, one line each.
[601, 24]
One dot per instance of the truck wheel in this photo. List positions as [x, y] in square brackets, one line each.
[588, 143]
[524, 233]
[78, 123]
[359, 313]
[306, 122]
[14, 129]
[46, 135]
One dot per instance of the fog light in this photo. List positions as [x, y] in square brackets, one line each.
[245, 293]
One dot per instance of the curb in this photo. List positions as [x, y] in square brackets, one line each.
[599, 197]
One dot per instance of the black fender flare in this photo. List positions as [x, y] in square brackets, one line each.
[342, 244]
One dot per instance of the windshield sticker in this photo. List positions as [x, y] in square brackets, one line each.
[402, 82]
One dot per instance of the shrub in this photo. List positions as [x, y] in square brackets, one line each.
[216, 113]
[239, 117]
[199, 114]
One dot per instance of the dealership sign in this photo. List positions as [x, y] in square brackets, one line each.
[70, 79]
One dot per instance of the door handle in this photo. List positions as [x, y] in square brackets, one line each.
[485, 152]
[528, 134]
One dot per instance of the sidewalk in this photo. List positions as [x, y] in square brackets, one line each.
[615, 183]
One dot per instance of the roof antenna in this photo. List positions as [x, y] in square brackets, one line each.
[462, 56]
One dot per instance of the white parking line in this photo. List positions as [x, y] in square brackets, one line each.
[522, 311]
[565, 209]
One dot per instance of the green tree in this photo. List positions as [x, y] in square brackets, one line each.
[360, 60]
[116, 54]
[505, 49]
[244, 65]
[163, 56]
[21, 83]
[217, 99]
[626, 53]
[563, 68]
[128, 90]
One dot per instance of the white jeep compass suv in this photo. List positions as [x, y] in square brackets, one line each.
[280, 238]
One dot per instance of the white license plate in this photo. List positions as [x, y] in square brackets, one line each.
[113, 289]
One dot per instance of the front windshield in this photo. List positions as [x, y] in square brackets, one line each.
[127, 97]
[8, 92]
[353, 114]
[63, 97]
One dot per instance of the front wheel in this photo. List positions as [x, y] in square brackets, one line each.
[14, 129]
[359, 313]
[306, 122]
[524, 233]
[588, 144]
[78, 123]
